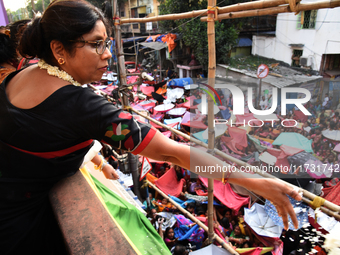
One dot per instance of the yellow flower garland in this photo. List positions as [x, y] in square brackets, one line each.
[55, 71]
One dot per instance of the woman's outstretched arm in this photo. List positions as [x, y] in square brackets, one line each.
[164, 149]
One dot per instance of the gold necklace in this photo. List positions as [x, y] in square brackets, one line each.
[55, 71]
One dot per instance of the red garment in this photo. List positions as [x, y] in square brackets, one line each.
[195, 124]
[200, 192]
[282, 155]
[237, 141]
[225, 194]
[169, 185]
[241, 119]
[299, 115]
[333, 195]
[239, 136]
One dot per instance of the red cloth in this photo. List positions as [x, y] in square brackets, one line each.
[148, 90]
[169, 185]
[282, 155]
[226, 195]
[239, 136]
[271, 242]
[200, 192]
[237, 140]
[299, 115]
[195, 124]
[333, 195]
[241, 119]
[228, 141]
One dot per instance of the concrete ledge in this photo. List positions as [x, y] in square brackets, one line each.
[86, 226]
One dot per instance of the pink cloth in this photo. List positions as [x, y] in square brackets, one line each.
[148, 90]
[169, 185]
[195, 124]
[227, 196]
[237, 140]
[132, 79]
[282, 155]
[241, 119]
[167, 133]
[299, 115]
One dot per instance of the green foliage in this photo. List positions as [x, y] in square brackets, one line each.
[194, 31]
[37, 5]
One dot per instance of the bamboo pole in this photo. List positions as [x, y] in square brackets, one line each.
[132, 159]
[198, 222]
[279, 9]
[211, 130]
[234, 11]
[120, 52]
[308, 196]
[194, 14]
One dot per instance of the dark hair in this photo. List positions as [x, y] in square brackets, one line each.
[225, 222]
[191, 205]
[179, 250]
[63, 20]
[7, 49]
[17, 28]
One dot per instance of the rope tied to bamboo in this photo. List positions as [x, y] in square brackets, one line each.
[212, 10]
[116, 21]
[293, 4]
[317, 202]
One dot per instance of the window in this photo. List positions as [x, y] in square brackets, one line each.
[296, 57]
[306, 19]
[122, 13]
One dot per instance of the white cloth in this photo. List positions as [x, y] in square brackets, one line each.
[325, 101]
[264, 104]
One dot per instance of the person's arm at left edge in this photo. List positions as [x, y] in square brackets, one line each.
[164, 149]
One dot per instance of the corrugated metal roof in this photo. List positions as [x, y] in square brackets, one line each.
[289, 76]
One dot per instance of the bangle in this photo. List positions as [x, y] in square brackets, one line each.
[103, 163]
[225, 180]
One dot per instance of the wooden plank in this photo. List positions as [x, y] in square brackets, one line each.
[85, 224]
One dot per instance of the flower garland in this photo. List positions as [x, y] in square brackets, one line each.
[55, 71]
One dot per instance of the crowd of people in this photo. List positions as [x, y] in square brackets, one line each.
[228, 223]
[71, 46]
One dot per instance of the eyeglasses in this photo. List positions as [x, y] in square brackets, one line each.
[100, 45]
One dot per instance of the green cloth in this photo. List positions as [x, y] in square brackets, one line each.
[136, 226]
[294, 140]
[257, 143]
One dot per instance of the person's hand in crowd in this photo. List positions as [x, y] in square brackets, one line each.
[109, 172]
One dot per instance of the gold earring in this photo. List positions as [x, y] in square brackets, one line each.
[61, 61]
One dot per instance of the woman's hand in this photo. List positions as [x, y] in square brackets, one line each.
[276, 191]
[109, 172]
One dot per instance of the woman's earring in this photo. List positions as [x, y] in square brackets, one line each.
[61, 61]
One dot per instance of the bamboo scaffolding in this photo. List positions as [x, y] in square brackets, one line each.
[198, 222]
[194, 14]
[328, 207]
[211, 130]
[277, 10]
[308, 195]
